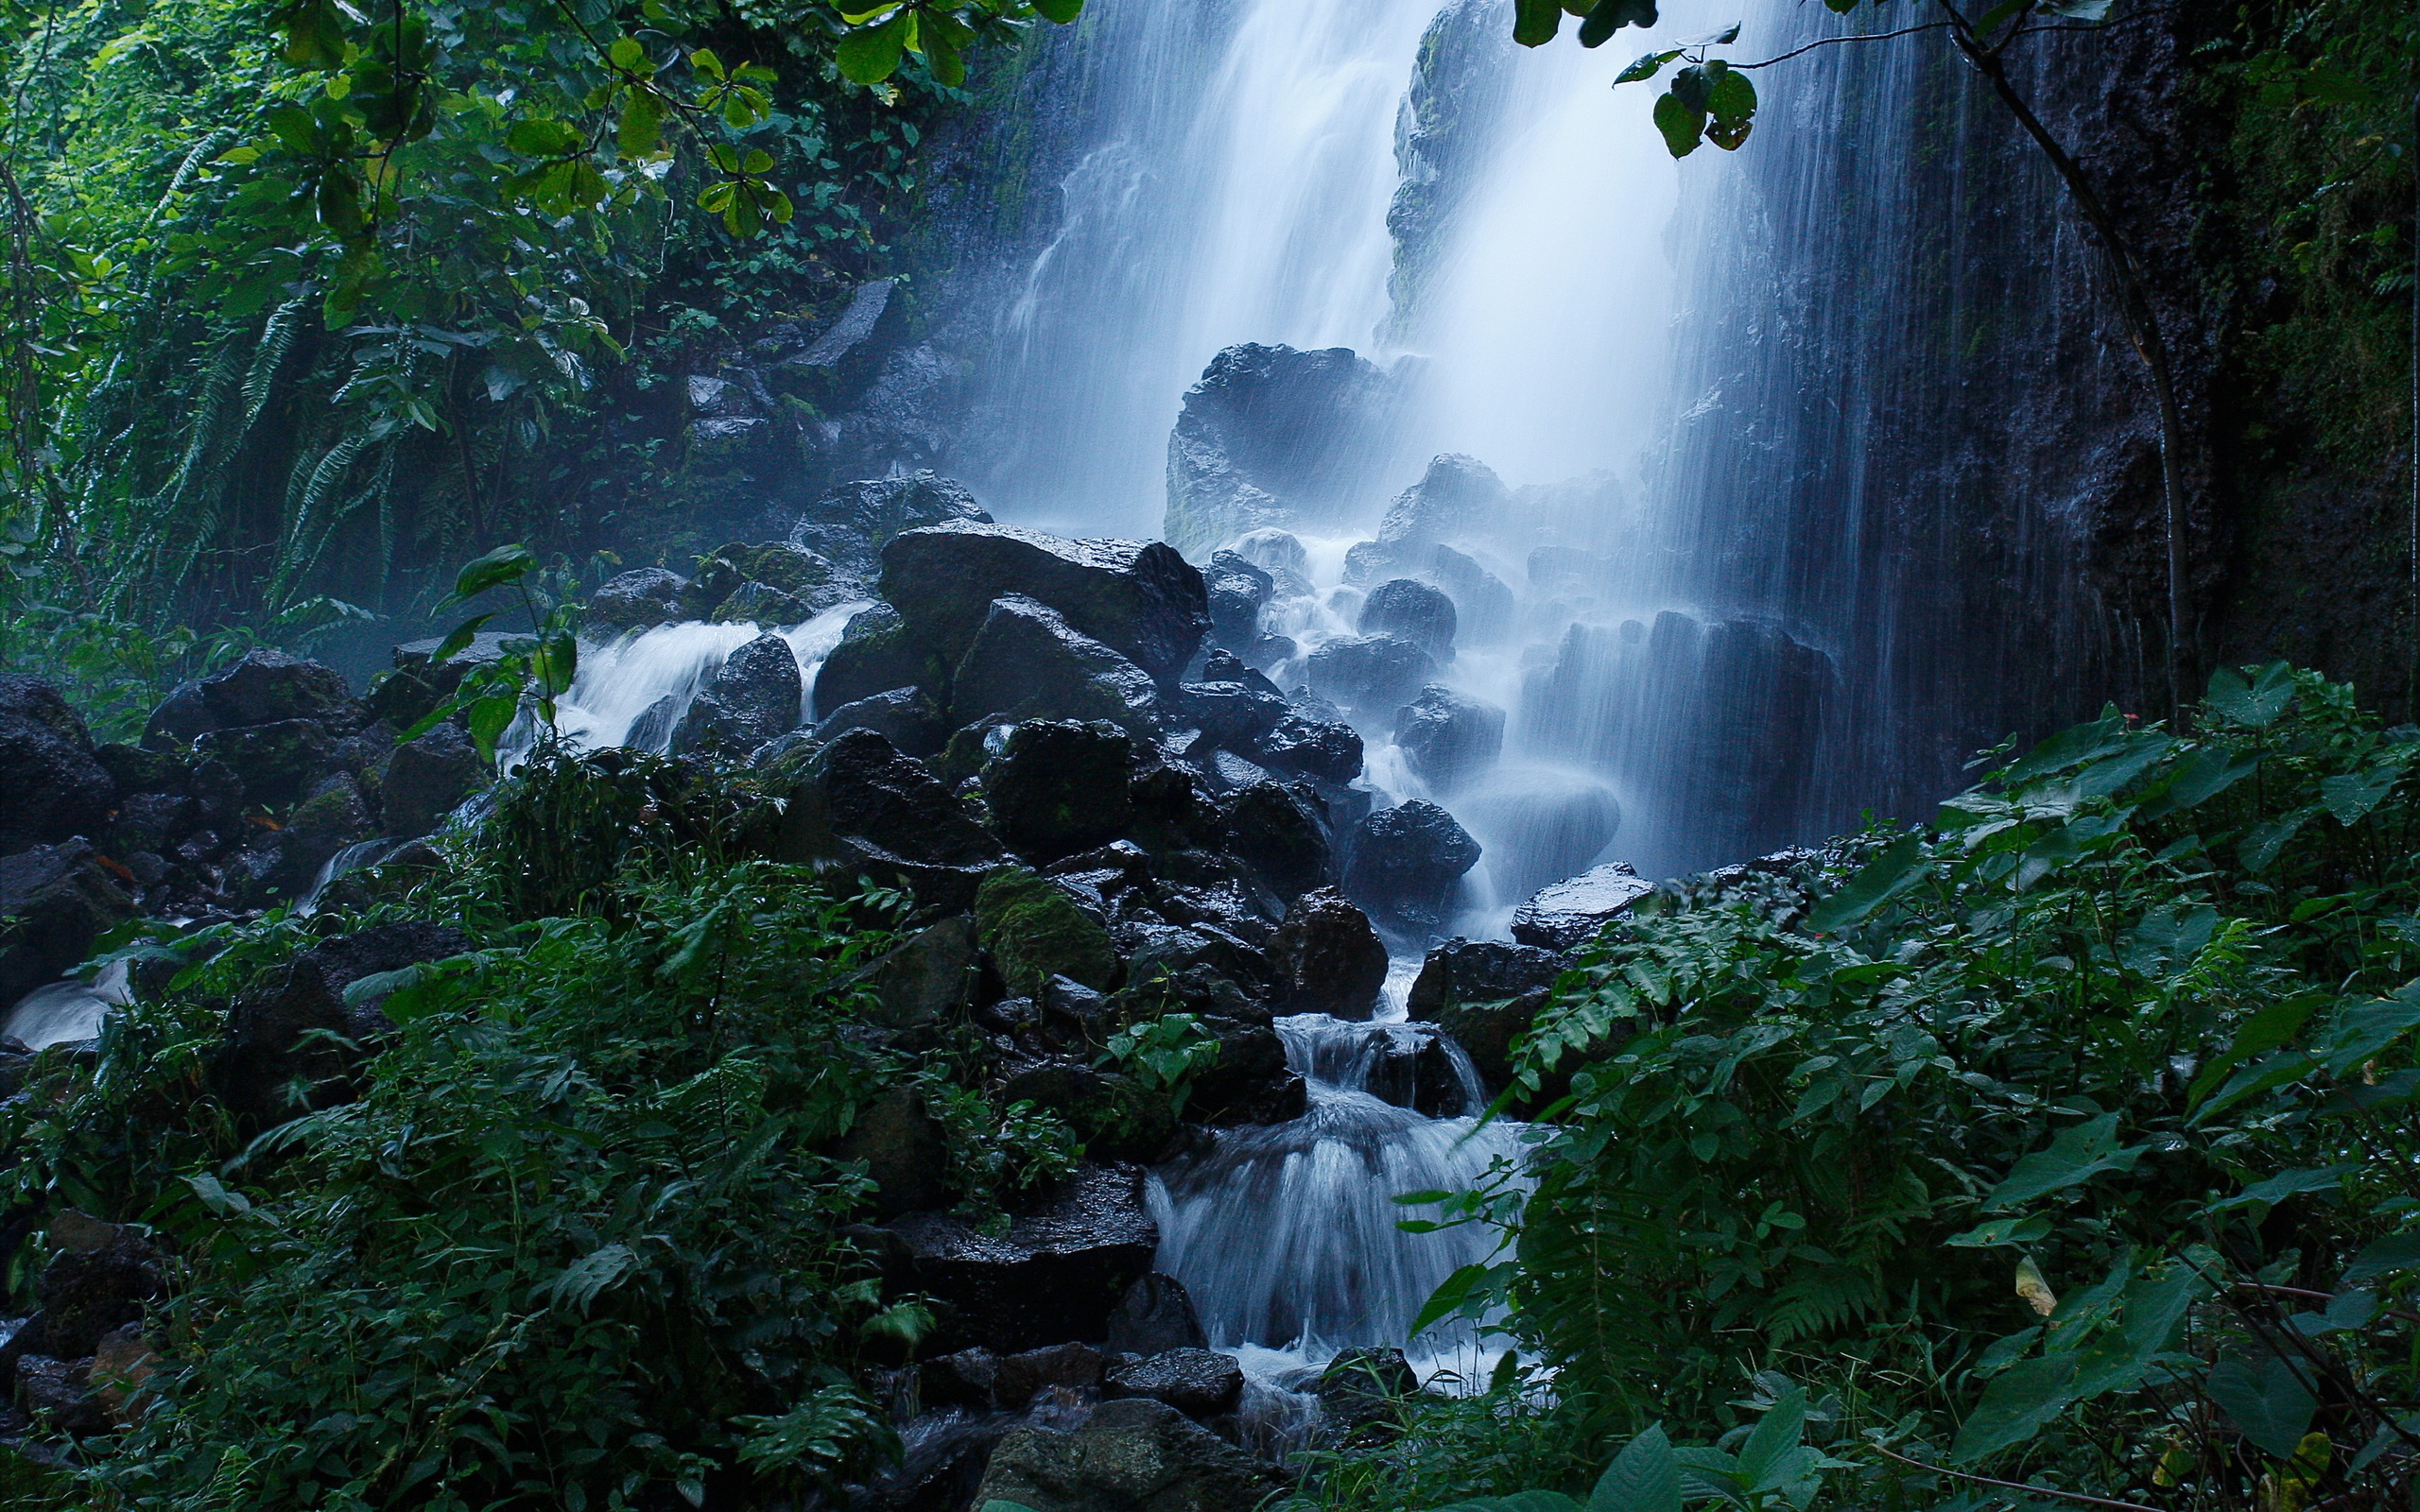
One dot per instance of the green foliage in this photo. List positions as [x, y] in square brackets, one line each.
[2133, 1023]
[584, 1239]
[1166, 1052]
[532, 671]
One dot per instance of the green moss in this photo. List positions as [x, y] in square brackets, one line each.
[1036, 932]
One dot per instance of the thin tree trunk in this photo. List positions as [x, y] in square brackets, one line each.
[2142, 330]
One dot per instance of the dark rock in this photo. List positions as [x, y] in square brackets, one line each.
[653, 729]
[415, 658]
[1017, 1379]
[55, 901]
[1406, 861]
[332, 818]
[1059, 787]
[150, 821]
[1131, 1455]
[1324, 750]
[1142, 600]
[293, 1043]
[1275, 438]
[904, 716]
[754, 696]
[51, 784]
[57, 1394]
[1221, 665]
[634, 600]
[926, 979]
[1413, 612]
[875, 655]
[1485, 995]
[1154, 951]
[1364, 1386]
[428, 778]
[269, 687]
[1155, 1316]
[1447, 738]
[1458, 495]
[1369, 675]
[1027, 661]
[1249, 1081]
[1280, 553]
[1198, 1382]
[1237, 714]
[961, 1379]
[1483, 606]
[1412, 1066]
[123, 1365]
[1568, 914]
[1282, 834]
[1327, 957]
[1173, 811]
[1056, 1274]
[182, 715]
[279, 761]
[1035, 931]
[852, 522]
[1237, 587]
[861, 805]
[753, 603]
[96, 1282]
[905, 1150]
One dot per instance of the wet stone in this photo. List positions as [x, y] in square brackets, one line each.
[1198, 1382]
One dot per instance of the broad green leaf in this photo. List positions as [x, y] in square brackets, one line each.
[1644, 1477]
[587, 1278]
[626, 55]
[2079, 10]
[2074, 746]
[2269, 1401]
[2076, 1156]
[488, 720]
[1998, 1231]
[1606, 17]
[2399, 1252]
[458, 639]
[1518, 1502]
[505, 564]
[1778, 1432]
[2286, 1184]
[1901, 865]
[2261, 843]
[705, 64]
[2265, 1074]
[2203, 776]
[540, 137]
[217, 1197]
[1646, 66]
[2255, 705]
[1683, 126]
[2349, 795]
[1457, 1289]
[870, 54]
[2263, 1032]
[2358, 1031]
[1059, 12]
[2019, 1401]
[641, 131]
[1535, 22]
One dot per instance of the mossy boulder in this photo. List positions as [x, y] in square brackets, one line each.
[1035, 932]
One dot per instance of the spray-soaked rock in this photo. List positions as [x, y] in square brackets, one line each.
[51, 785]
[1486, 994]
[874, 655]
[904, 716]
[1282, 834]
[269, 686]
[1274, 437]
[861, 806]
[641, 597]
[58, 899]
[754, 696]
[1237, 587]
[1483, 606]
[1249, 1081]
[1568, 914]
[905, 1150]
[1327, 957]
[927, 978]
[1361, 1387]
[1369, 675]
[1413, 612]
[429, 777]
[1198, 1382]
[1449, 738]
[1300, 746]
[852, 521]
[1155, 1316]
[1027, 662]
[1035, 932]
[1458, 495]
[1057, 1274]
[1059, 787]
[1141, 599]
[1133, 1454]
[1235, 716]
[1406, 861]
[279, 761]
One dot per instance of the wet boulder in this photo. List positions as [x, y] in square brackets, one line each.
[52, 785]
[1412, 611]
[637, 599]
[293, 1041]
[1405, 862]
[1484, 607]
[874, 655]
[1302, 745]
[427, 778]
[754, 602]
[1237, 589]
[1196, 1383]
[1250, 1082]
[1449, 738]
[1327, 957]
[1059, 787]
[905, 1150]
[1566, 914]
[927, 978]
[1458, 495]
[185, 713]
[1155, 1316]
[1411, 1065]
[1141, 599]
[1059, 1272]
[269, 687]
[279, 761]
[1364, 1386]
[1486, 994]
[1027, 660]
[55, 901]
[904, 716]
[852, 521]
[1370, 676]
[1134, 1454]
[1235, 715]
[98, 1279]
[1018, 1379]
[1273, 437]
[861, 806]
[1035, 931]
[755, 695]
[1281, 832]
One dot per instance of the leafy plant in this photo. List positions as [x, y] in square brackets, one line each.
[526, 673]
[1166, 1052]
[1772, 1467]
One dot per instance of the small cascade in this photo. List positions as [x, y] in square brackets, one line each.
[67, 1011]
[622, 679]
[1286, 1236]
